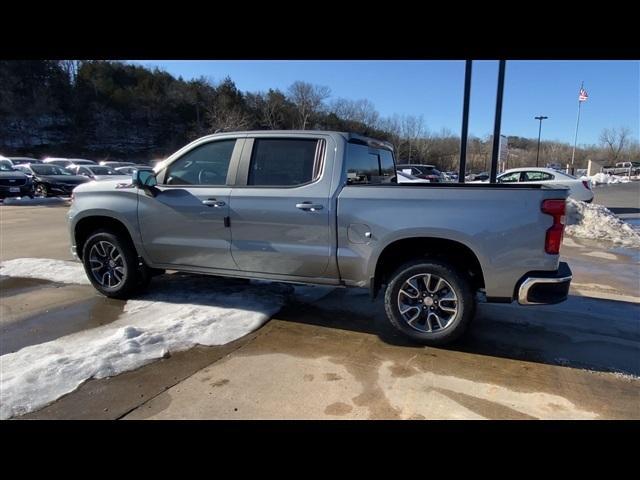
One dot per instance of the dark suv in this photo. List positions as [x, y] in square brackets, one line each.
[13, 183]
[428, 172]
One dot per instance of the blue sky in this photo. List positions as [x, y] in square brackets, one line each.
[434, 89]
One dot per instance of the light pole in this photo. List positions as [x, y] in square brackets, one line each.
[539, 132]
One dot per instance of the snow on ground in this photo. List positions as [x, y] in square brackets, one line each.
[179, 312]
[59, 271]
[606, 178]
[596, 222]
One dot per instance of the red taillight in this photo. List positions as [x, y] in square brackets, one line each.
[586, 184]
[553, 240]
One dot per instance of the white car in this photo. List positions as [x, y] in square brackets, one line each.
[98, 172]
[404, 177]
[578, 189]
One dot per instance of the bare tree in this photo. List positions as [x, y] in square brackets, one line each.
[412, 130]
[614, 141]
[308, 100]
[272, 109]
[71, 67]
[362, 111]
[227, 120]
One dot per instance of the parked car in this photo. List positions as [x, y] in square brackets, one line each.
[478, 177]
[13, 183]
[428, 172]
[98, 172]
[295, 218]
[68, 162]
[114, 164]
[402, 177]
[450, 176]
[50, 180]
[82, 161]
[23, 160]
[61, 162]
[578, 189]
[623, 168]
[130, 169]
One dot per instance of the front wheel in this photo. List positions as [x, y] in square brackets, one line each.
[429, 301]
[41, 190]
[111, 264]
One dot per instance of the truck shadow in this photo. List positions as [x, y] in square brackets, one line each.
[583, 332]
[624, 210]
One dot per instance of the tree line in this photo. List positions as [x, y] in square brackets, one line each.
[115, 110]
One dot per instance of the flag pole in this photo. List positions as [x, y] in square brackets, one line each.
[575, 140]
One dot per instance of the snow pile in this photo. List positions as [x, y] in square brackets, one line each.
[178, 313]
[596, 222]
[59, 271]
[605, 178]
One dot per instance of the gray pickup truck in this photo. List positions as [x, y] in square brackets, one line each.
[319, 207]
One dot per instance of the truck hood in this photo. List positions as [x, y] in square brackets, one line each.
[118, 178]
[12, 176]
[105, 185]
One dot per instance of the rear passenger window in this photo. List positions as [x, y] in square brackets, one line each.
[284, 162]
[206, 164]
[537, 176]
[366, 165]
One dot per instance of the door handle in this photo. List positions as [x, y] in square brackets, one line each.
[309, 206]
[212, 202]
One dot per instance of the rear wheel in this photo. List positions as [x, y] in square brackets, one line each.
[429, 301]
[111, 264]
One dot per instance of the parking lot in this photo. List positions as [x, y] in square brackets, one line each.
[330, 353]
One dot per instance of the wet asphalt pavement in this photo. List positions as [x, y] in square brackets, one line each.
[337, 356]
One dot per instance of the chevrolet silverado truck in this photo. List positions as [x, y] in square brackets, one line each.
[317, 207]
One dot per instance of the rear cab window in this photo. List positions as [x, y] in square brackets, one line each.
[366, 165]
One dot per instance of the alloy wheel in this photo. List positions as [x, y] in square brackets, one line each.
[107, 264]
[427, 303]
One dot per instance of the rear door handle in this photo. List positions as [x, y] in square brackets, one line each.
[309, 206]
[212, 202]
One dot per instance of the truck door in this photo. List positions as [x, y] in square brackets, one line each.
[280, 209]
[184, 222]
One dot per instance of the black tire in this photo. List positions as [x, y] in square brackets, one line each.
[133, 276]
[41, 190]
[458, 322]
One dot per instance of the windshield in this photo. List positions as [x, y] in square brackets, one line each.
[6, 166]
[48, 169]
[103, 171]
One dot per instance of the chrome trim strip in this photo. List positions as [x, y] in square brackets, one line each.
[523, 292]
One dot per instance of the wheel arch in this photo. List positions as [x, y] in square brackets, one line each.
[401, 250]
[85, 226]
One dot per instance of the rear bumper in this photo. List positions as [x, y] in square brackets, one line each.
[539, 288]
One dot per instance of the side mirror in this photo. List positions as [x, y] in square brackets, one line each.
[144, 178]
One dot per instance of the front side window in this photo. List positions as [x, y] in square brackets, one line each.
[366, 165]
[510, 177]
[537, 176]
[206, 164]
[283, 162]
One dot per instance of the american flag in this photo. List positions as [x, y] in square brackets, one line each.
[583, 95]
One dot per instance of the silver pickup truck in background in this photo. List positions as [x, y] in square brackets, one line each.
[319, 207]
